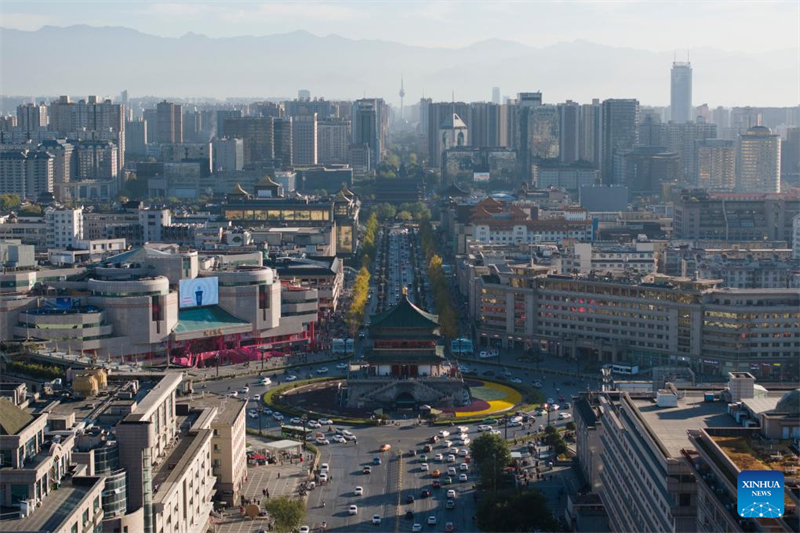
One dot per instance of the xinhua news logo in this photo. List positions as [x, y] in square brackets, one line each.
[760, 494]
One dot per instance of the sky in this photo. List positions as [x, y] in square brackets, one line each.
[753, 26]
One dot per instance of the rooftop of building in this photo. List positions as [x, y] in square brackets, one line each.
[174, 465]
[750, 453]
[204, 318]
[404, 315]
[56, 508]
[12, 418]
[670, 424]
[228, 409]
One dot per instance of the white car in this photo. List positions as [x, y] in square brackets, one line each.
[462, 478]
[244, 390]
[417, 528]
[537, 384]
[431, 520]
[484, 427]
[463, 452]
[313, 424]
[323, 370]
[265, 382]
[323, 478]
[464, 467]
[277, 416]
[564, 416]
[376, 519]
[451, 458]
[233, 394]
[256, 398]
[326, 421]
[305, 529]
[424, 467]
[463, 429]
[291, 378]
[342, 366]
[324, 468]
[439, 458]
[353, 509]
[447, 443]
[496, 432]
[322, 440]
[268, 412]
[338, 438]
[349, 436]
[515, 380]
[444, 433]
[451, 493]
[295, 420]
[359, 491]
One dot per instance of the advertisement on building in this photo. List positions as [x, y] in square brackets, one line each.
[198, 292]
[480, 176]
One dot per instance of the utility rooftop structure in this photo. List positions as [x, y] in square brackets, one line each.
[405, 366]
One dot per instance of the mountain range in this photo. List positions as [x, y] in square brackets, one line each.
[80, 60]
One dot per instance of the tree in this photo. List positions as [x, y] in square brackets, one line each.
[31, 210]
[405, 216]
[492, 455]
[385, 211]
[9, 202]
[527, 511]
[571, 426]
[288, 513]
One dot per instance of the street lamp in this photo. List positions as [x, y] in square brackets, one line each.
[263, 351]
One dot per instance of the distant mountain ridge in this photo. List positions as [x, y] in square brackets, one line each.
[105, 60]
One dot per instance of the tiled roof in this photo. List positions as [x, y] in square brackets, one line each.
[12, 418]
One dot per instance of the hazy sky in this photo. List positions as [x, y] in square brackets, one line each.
[754, 26]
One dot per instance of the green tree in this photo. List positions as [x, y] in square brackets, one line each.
[492, 455]
[571, 426]
[9, 202]
[31, 210]
[405, 216]
[527, 511]
[288, 513]
[385, 211]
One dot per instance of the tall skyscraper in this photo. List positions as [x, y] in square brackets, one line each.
[436, 114]
[136, 137]
[169, 123]
[680, 101]
[228, 154]
[488, 125]
[27, 173]
[303, 94]
[590, 136]
[569, 132]
[716, 165]
[759, 161]
[304, 140]
[370, 122]
[790, 153]
[402, 94]
[620, 118]
[333, 141]
[257, 134]
[63, 167]
[282, 132]
[222, 116]
[31, 117]
[496, 95]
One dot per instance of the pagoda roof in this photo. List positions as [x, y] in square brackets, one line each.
[453, 190]
[238, 191]
[392, 357]
[404, 315]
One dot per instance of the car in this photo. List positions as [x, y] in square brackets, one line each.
[423, 467]
[463, 452]
[234, 394]
[436, 484]
[305, 529]
[267, 412]
[447, 443]
[291, 377]
[431, 520]
[359, 491]
[451, 458]
[324, 468]
[496, 432]
[439, 458]
[277, 416]
[295, 420]
[326, 421]
[515, 423]
[450, 504]
[464, 442]
[342, 366]
[410, 498]
[385, 447]
[416, 528]
[323, 370]
[449, 527]
[353, 509]
[323, 478]
[376, 460]
[376, 519]
[564, 416]
[265, 382]
[367, 470]
[451, 493]
[244, 390]
[451, 471]
[561, 398]
[427, 448]
[252, 413]
[256, 398]
[423, 458]
[412, 453]
[550, 401]
[444, 433]
[555, 407]
[484, 427]
[537, 384]
[436, 473]
[453, 450]
[463, 429]
[425, 493]
[322, 440]
[348, 436]
[462, 478]
[448, 480]
[313, 424]
[483, 355]
[515, 380]
[463, 467]
[338, 438]
[490, 421]
[567, 405]
[434, 439]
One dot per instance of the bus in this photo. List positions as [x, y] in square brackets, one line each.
[296, 433]
[461, 347]
[623, 369]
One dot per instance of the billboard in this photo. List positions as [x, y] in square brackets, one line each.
[198, 292]
[480, 176]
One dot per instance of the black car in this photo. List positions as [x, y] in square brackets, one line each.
[412, 453]
[426, 493]
[410, 498]
[410, 514]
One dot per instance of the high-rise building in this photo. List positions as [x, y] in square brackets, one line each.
[496, 95]
[304, 140]
[193, 126]
[31, 117]
[257, 134]
[370, 120]
[323, 108]
[282, 131]
[334, 139]
[169, 123]
[64, 227]
[645, 169]
[790, 153]
[136, 137]
[715, 162]
[63, 166]
[303, 94]
[680, 101]
[488, 125]
[27, 173]
[681, 138]
[620, 118]
[590, 136]
[569, 132]
[228, 154]
[721, 117]
[759, 161]
[95, 160]
[222, 116]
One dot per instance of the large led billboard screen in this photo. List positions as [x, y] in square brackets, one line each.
[198, 292]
